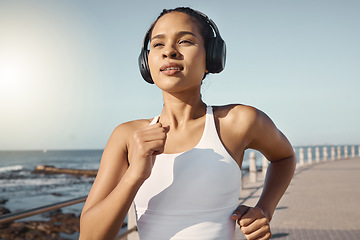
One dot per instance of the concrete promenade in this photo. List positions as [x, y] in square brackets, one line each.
[322, 202]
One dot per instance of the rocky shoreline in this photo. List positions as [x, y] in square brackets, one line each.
[54, 225]
[58, 223]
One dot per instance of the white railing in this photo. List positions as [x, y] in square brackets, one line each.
[305, 156]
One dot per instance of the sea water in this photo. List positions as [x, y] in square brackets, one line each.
[21, 189]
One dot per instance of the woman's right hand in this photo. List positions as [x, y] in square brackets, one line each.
[146, 144]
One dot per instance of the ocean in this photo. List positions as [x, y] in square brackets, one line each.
[21, 189]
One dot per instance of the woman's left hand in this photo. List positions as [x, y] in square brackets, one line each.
[253, 222]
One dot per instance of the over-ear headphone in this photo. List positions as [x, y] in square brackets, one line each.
[215, 54]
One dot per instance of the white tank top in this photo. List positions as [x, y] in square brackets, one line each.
[190, 195]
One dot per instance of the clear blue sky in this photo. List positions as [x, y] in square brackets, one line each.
[69, 74]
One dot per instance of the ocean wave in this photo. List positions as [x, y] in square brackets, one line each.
[42, 182]
[11, 168]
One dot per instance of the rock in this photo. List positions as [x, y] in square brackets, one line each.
[59, 223]
[45, 169]
[32, 224]
[57, 194]
[15, 229]
[72, 225]
[67, 223]
[62, 217]
[4, 210]
[67, 229]
[46, 227]
[35, 235]
[3, 200]
[51, 213]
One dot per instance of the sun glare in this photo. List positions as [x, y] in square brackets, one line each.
[12, 77]
[8, 76]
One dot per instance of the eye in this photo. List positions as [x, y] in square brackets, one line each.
[157, 44]
[186, 42]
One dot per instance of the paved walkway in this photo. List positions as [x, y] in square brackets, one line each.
[322, 202]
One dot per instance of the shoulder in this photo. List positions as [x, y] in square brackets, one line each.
[121, 135]
[132, 126]
[238, 114]
[126, 129]
[255, 128]
[242, 122]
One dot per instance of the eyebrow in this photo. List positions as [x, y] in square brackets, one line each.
[179, 34]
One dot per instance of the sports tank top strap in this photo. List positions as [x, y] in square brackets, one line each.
[155, 120]
[210, 122]
[210, 135]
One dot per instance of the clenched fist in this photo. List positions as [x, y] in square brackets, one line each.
[253, 222]
[146, 144]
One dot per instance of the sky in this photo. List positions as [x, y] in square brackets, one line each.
[69, 72]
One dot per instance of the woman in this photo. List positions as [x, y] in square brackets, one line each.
[182, 168]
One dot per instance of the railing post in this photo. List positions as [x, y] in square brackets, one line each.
[265, 164]
[309, 155]
[252, 167]
[301, 157]
[333, 153]
[325, 154]
[352, 151]
[338, 152]
[317, 154]
[132, 223]
[345, 152]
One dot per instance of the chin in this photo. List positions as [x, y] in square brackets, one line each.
[169, 86]
[168, 81]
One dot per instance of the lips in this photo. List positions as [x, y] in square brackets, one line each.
[171, 68]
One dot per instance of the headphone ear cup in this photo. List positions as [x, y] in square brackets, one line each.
[144, 66]
[216, 55]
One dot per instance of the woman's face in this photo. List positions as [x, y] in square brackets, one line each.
[177, 57]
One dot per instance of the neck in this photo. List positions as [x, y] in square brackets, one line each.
[178, 109]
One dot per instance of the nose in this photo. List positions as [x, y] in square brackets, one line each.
[170, 52]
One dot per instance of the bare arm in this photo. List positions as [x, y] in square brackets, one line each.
[277, 149]
[266, 138]
[120, 175]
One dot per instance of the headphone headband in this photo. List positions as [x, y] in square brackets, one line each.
[210, 22]
[215, 54]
